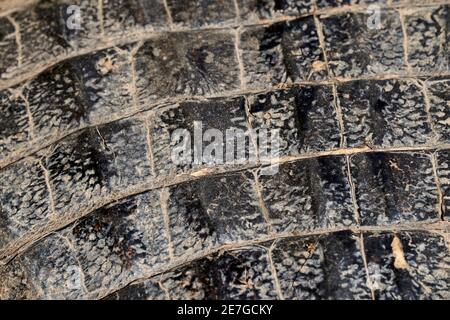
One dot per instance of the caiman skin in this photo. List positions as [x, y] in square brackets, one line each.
[92, 207]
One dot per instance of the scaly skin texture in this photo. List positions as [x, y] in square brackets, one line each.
[92, 205]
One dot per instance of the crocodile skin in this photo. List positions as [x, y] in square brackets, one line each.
[92, 205]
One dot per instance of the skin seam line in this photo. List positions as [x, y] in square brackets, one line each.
[29, 115]
[274, 272]
[169, 15]
[440, 194]
[366, 268]
[100, 17]
[72, 248]
[48, 183]
[337, 108]
[358, 222]
[237, 12]
[405, 41]
[164, 198]
[239, 59]
[422, 85]
[149, 139]
[262, 206]
[18, 37]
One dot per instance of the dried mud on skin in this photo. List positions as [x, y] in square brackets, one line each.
[91, 205]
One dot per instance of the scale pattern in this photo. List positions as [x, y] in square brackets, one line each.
[91, 205]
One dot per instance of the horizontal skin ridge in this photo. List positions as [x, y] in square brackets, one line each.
[141, 35]
[432, 227]
[37, 144]
[20, 245]
[265, 242]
